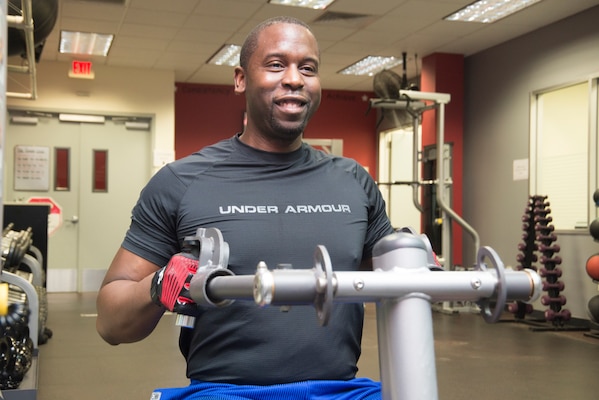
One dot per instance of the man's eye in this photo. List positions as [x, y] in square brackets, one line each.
[309, 70]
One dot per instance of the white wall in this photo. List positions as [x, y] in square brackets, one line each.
[114, 91]
[499, 83]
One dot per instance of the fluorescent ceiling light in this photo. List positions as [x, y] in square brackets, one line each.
[315, 4]
[228, 54]
[487, 11]
[93, 44]
[370, 65]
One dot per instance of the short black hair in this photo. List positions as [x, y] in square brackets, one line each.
[251, 41]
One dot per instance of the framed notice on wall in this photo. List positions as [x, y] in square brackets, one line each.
[32, 168]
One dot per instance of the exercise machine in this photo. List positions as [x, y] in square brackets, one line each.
[416, 103]
[405, 281]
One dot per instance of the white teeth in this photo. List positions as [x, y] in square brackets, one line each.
[290, 104]
[291, 101]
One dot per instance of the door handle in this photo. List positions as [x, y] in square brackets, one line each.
[74, 219]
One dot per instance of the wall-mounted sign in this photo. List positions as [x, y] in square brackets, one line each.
[32, 168]
[81, 69]
[55, 214]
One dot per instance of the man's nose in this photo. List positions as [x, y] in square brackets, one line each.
[293, 77]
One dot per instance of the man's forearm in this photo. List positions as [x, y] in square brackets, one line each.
[126, 312]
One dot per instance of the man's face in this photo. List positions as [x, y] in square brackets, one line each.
[281, 83]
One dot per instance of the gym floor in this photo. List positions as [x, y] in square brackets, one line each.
[506, 360]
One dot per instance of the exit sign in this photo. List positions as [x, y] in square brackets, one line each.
[81, 69]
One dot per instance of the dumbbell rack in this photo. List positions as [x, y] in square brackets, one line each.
[527, 256]
[539, 237]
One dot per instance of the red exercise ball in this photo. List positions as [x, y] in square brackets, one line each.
[593, 267]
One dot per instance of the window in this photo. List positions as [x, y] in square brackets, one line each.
[62, 169]
[100, 173]
[563, 159]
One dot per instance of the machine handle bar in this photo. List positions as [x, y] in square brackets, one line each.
[321, 287]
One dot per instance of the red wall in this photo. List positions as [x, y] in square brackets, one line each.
[205, 114]
[444, 73]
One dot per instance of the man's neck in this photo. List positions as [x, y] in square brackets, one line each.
[272, 146]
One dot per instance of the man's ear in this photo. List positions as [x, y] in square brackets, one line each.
[239, 80]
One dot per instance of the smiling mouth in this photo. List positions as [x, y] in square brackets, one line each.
[291, 104]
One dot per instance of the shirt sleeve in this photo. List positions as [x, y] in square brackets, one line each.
[152, 233]
[379, 224]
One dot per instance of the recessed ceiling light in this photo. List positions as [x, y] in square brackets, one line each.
[315, 4]
[228, 55]
[487, 11]
[87, 43]
[370, 65]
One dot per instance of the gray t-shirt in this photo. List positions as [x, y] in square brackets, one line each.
[274, 208]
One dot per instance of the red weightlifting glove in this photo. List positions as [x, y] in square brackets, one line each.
[170, 285]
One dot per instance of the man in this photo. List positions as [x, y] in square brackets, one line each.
[305, 198]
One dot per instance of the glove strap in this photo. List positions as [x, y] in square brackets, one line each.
[176, 273]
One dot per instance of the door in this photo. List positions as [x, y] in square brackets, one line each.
[106, 167]
[395, 172]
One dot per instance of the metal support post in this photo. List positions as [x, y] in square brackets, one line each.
[404, 325]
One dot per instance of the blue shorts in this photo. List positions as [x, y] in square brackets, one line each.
[355, 389]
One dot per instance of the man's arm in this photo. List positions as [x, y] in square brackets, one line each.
[126, 312]
[366, 265]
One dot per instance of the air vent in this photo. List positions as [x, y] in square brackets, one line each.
[341, 19]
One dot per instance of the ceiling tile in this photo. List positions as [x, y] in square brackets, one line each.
[140, 43]
[87, 25]
[148, 31]
[213, 23]
[228, 8]
[92, 10]
[156, 18]
[365, 7]
[177, 6]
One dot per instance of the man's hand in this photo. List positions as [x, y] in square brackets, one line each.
[170, 285]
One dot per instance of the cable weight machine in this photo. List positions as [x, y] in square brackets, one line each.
[404, 283]
[416, 103]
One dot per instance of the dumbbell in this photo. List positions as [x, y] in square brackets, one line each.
[564, 315]
[557, 272]
[543, 248]
[522, 257]
[555, 260]
[547, 238]
[557, 285]
[547, 300]
[515, 307]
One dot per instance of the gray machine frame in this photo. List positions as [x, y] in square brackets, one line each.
[416, 103]
[404, 284]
